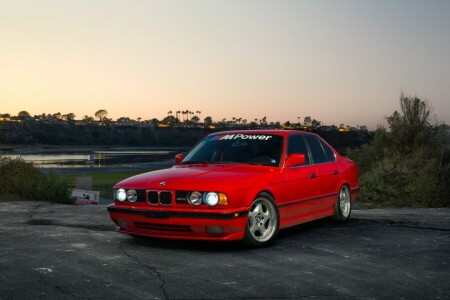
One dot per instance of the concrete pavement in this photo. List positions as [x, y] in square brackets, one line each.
[53, 251]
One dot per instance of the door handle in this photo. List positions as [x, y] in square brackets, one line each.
[335, 172]
[313, 175]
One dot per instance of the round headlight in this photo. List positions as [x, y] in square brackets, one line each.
[212, 199]
[195, 198]
[121, 195]
[132, 195]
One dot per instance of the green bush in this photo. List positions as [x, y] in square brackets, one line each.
[407, 165]
[23, 178]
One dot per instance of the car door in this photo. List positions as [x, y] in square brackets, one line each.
[327, 171]
[301, 183]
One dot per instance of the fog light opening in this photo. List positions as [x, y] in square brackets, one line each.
[214, 229]
[121, 223]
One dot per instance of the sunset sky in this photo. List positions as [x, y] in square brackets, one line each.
[336, 61]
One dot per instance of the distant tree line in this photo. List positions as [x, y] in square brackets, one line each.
[48, 133]
[182, 128]
[179, 119]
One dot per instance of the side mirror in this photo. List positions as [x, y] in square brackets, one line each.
[295, 160]
[179, 158]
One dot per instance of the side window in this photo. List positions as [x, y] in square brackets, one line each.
[297, 145]
[317, 152]
[329, 153]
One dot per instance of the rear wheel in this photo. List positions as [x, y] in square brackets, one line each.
[263, 222]
[343, 205]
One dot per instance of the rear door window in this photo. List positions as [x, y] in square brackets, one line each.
[317, 151]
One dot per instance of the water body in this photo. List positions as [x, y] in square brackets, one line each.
[92, 157]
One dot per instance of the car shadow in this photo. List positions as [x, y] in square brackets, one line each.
[295, 232]
[299, 230]
[187, 245]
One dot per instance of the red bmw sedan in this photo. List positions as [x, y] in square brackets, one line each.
[239, 185]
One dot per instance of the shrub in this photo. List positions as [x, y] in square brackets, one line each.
[409, 164]
[23, 178]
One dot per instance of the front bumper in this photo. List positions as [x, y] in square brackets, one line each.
[180, 224]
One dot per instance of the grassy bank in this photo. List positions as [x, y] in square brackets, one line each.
[104, 181]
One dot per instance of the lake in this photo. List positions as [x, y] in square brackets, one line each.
[92, 157]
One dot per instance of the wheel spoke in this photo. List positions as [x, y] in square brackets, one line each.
[252, 214]
[266, 224]
[254, 229]
[258, 208]
[266, 214]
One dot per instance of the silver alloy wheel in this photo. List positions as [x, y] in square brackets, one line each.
[262, 220]
[344, 201]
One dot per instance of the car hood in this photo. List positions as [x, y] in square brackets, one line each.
[202, 177]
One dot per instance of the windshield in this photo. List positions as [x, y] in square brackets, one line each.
[259, 149]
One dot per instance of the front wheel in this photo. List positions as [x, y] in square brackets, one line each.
[263, 222]
[343, 205]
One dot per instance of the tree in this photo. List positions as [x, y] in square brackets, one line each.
[307, 121]
[23, 115]
[408, 164]
[170, 120]
[411, 128]
[155, 122]
[287, 125]
[124, 120]
[195, 119]
[70, 117]
[88, 119]
[207, 121]
[57, 116]
[315, 124]
[101, 114]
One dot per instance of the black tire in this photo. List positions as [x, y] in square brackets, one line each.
[343, 205]
[263, 222]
